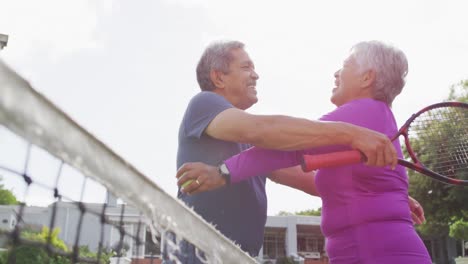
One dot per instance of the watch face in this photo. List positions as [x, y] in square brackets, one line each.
[224, 169]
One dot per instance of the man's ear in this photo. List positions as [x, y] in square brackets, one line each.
[216, 78]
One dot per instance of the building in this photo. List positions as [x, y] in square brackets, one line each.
[3, 41]
[297, 236]
[67, 219]
[293, 236]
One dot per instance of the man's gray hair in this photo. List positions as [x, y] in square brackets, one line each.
[217, 56]
[390, 66]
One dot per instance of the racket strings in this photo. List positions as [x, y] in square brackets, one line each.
[439, 138]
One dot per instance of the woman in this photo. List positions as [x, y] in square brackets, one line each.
[365, 214]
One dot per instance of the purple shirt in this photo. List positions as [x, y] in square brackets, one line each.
[365, 213]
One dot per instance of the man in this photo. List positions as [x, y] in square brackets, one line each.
[215, 120]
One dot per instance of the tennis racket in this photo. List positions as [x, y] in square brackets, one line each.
[437, 135]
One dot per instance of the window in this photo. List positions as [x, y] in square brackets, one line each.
[151, 248]
[310, 239]
[309, 243]
[274, 245]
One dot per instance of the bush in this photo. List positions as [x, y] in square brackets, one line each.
[3, 257]
[285, 260]
[27, 255]
[459, 230]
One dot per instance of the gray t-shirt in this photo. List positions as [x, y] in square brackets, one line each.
[237, 210]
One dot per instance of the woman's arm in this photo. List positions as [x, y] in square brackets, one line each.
[295, 178]
[258, 161]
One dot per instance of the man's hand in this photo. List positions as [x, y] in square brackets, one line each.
[417, 212]
[203, 178]
[377, 147]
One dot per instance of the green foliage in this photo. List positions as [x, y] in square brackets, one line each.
[443, 204]
[459, 92]
[285, 260]
[311, 212]
[120, 249]
[25, 254]
[86, 253]
[459, 227]
[284, 213]
[104, 258]
[459, 230]
[3, 257]
[6, 196]
[44, 237]
[28, 254]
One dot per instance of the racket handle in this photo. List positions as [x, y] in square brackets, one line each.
[313, 162]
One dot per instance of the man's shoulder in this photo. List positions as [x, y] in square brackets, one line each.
[206, 96]
[201, 110]
[206, 102]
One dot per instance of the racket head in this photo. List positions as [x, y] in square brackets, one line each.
[436, 139]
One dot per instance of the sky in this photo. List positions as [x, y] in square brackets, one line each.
[125, 70]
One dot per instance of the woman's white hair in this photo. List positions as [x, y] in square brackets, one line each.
[389, 64]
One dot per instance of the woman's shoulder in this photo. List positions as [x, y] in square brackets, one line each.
[364, 104]
[365, 112]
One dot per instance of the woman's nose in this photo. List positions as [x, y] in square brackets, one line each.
[337, 73]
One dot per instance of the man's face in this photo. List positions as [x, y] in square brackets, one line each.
[240, 81]
[348, 83]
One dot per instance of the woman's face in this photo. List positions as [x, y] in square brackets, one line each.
[349, 83]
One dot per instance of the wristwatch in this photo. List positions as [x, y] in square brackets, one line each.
[224, 172]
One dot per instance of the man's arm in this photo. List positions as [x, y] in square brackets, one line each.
[295, 178]
[290, 133]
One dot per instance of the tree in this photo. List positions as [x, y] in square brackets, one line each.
[445, 206]
[6, 196]
[25, 254]
[32, 254]
[459, 92]
[310, 212]
[459, 230]
[285, 260]
[38, 255]
[45, 236]
[284, 213]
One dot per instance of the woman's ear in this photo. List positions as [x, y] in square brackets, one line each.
[368, 78]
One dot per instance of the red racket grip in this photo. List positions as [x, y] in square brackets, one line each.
[313, 162]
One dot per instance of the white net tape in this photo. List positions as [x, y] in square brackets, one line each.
[31, 116]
